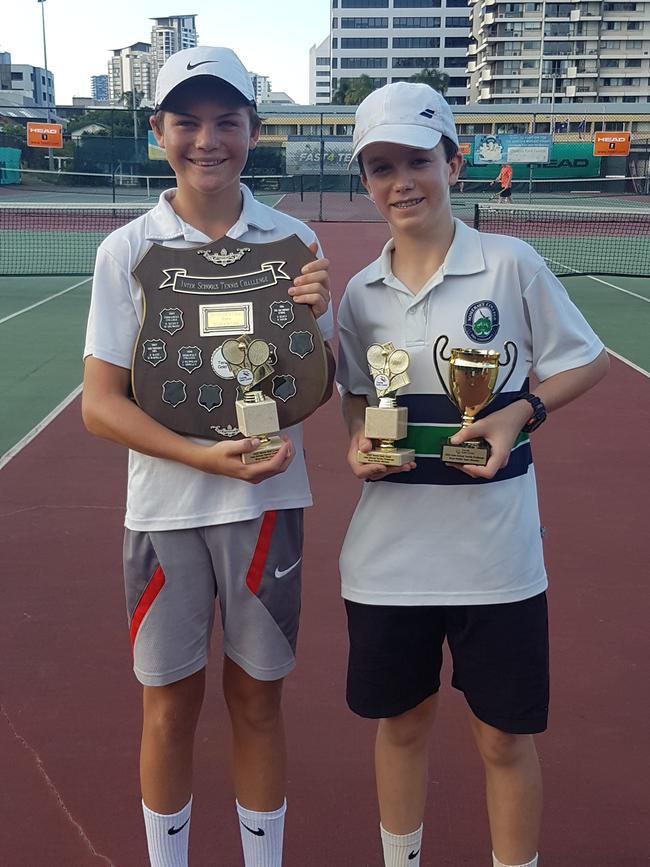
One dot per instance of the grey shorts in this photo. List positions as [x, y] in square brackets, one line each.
[173, 577]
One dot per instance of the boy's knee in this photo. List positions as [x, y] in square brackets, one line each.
[409, 729]
[256, 711]
[501, 749]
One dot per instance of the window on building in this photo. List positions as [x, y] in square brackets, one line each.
[415, 62]
[416, 42]
[416, 22]
[458, 81]
[364, 4]
[364, 62]
[634, 25]
[457, 21]
[416, 4]
[455, 63]
[633, 63]
[322, 61]
[456, 42]
[363, 23]
[376, 42]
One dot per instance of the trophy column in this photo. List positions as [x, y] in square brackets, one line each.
[387, 422]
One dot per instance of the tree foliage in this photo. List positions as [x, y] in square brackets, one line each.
[433, 77]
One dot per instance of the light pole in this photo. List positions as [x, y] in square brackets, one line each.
[47, 83]
[131, 58]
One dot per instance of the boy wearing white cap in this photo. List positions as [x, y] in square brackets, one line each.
[437, 552]
[200, 523]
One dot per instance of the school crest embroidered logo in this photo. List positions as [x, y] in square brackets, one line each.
[481, 321]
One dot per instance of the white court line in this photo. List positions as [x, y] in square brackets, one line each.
[628, 362]
[44, 300]
[620, 289]
[37, 429]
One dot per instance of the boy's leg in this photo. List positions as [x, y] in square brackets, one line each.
[401, 767]
[513, 790]
[500, 655]
[393, 676]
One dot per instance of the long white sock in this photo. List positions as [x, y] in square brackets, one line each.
[168, 836]
[497, 863]
[262, 835]
[401, 850]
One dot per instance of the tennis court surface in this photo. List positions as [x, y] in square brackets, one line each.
[69, 704]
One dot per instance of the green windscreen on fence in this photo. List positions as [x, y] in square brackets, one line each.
[576, 241]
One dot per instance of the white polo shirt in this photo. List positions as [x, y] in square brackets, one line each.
[435, 536]
[164, 494]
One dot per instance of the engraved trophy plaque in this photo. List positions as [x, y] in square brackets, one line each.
[471, 387]
[257, 414]
[387, 422]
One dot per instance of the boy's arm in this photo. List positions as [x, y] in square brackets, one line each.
[108, 412]
[354, 414]
[501, 428]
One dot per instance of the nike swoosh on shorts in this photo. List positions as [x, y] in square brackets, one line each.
[280, 573]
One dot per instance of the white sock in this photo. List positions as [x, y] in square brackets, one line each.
[401, 850]
[168, 836]
[261, 836]
[497, 863]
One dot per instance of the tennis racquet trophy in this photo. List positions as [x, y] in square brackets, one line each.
[257, 414]
[471, 387]
[387, 422]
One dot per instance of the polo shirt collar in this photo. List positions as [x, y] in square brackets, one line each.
[162, 223]
[465, 256]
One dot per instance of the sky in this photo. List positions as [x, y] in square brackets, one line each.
[271, 38]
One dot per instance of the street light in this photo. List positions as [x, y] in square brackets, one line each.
[47, 83]
[131, 58]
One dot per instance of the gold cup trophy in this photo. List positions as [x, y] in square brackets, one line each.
[257, 414]
[471, 387]
[387, 422]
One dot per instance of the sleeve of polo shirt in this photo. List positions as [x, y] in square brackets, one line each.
[113, 322]
[562, 338]
[352, 375]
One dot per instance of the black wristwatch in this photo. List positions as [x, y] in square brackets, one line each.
[539, 413]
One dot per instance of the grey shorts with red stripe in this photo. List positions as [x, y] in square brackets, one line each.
[173, 578]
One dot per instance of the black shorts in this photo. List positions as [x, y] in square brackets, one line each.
[499, 652]
[506, 193]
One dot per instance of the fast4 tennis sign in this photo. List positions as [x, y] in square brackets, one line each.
[44, 135]
[611, 144]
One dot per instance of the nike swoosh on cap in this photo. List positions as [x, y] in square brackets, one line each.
[191, 66]
[280, 573]
[258, 833]
[173, 830]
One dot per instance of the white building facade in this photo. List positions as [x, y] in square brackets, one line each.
[131, 69]
[320, 91]
[391, 40]
[169, 35]
[560, 52]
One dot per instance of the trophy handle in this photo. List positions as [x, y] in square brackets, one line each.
[515, 354]
[443, 337]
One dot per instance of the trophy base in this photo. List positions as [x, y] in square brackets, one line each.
[263, 452]
[474, 452]
[393, 458]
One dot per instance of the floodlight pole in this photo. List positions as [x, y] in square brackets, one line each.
[47, 82]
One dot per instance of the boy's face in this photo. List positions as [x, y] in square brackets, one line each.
[410, 186]
[206, 135]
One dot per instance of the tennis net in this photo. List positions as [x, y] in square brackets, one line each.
[575, 241]
[57, 239]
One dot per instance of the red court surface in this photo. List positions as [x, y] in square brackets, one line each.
[70, 715]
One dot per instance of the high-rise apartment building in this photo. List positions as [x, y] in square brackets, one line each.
[555, 52]
[130, 69]
[391, 40]
[34, 84]
[319, 73]
[169, 35]
[261, 86]
[99, 87]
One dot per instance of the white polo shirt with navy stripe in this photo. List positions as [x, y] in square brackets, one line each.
[434, 536]
[164, 494]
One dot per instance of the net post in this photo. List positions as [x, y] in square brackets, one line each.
[322, 171]
[477, 220]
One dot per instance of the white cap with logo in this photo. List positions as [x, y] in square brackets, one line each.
[221, 63]
[406, 113]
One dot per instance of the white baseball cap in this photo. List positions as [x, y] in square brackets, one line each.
[406, 113]
[222, 63]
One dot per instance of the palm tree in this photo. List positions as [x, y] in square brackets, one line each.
[433, 77]
[359, 89]
[341, 92]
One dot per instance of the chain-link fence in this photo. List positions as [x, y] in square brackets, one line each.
[301, 162]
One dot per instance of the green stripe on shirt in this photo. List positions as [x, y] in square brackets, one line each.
[427, 440]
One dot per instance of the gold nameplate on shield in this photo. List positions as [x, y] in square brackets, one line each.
[225, 319]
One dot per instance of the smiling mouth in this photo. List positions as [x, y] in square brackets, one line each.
[407, 203]
[206, 163]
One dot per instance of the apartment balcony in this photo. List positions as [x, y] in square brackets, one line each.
[488, 19]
